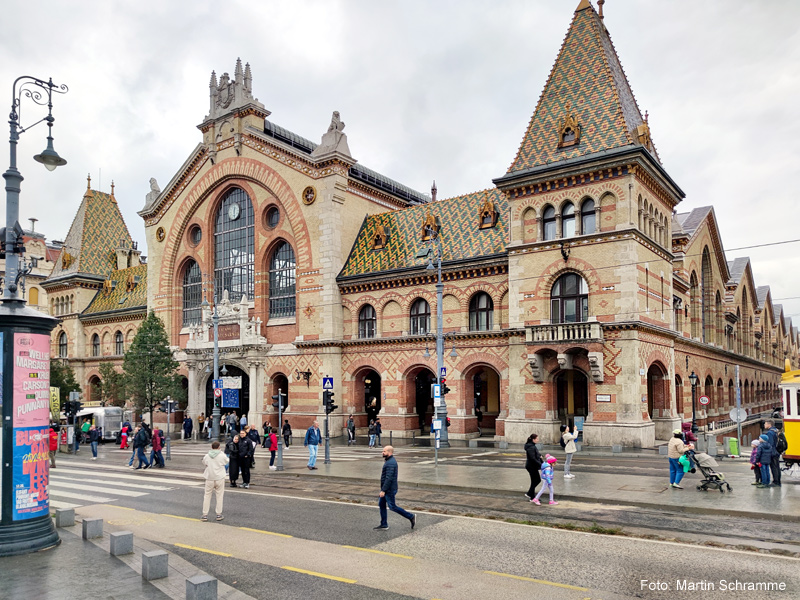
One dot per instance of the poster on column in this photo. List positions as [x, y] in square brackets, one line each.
[31, 402]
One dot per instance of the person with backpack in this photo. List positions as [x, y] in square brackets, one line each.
[232, 450]
[267, 427]
[156, 458]
[764, 454]
[371, 432]
[568, 444]
[775, 462]
[139, 444]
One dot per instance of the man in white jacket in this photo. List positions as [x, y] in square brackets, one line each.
[215, 462]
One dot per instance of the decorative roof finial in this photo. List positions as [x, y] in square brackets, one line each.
[112, 188]
[600, 7]
[433, 191]
[88, 182]
[645, 117]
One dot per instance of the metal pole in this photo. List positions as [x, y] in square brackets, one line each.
[441, 410]
[738, 408]
[327, 440]
[694, 397]
[215, 413]
[169, 415]
[279, 466]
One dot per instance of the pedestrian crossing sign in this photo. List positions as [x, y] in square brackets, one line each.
[327, 383]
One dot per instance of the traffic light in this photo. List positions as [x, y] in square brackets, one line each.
[77, 407]
[163, 406]
[444, 390]
[327, 401]
[282, 398]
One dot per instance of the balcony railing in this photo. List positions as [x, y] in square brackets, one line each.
[567, 332]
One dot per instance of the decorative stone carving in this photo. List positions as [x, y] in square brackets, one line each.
[537, 367]
[108, 287]
[487, 215]
[66, 260]
[565, 361]
[228, 94]
[430, 228]
[152, 195]
[569, 130]
[334, 141]
[596, 366]
[380, 238]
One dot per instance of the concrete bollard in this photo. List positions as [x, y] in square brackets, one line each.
[503, 445]
[201, 587]
[663, 450]
[616, 448]
[92, 528]
[473, 443]
[65, 517]
[121, 543]
[155, 565]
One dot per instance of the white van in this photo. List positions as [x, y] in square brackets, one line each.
[107, 418]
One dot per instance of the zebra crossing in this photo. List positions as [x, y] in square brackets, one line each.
[98, 484]
[295, 452]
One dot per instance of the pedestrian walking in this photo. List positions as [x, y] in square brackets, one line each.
[53, 445]
[233, 423]
[94, 439]
[568, 444]
[252, 435]
[133, 435]
[232, 450]
[215, 462]
[311, 441]
[243, 422]
[775, 461]
[123, 436]
[76, 437]
[753, 462]
[389, 491]
[371, 433]
[764, 454]
[675, 449]
[201, 422]
[267, 430]
[246, 448]
[533, 464]
[139, 444]
[187, 428]
[548, 468]
[287, 433]
[156, 458]
[85, 430]
[378, 431]
[351, 431]
[273, 446]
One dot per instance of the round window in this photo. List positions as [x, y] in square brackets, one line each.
[195, 235]
[273, 217]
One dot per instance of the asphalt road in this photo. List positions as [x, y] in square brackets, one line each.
[334, 550]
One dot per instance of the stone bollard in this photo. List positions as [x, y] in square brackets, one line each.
[201, 587]
[155, 565]
[616, 448]
[473, 443]
[503, 445]
[121, 543]
[663, 450]
[65, 517]
[92, 528]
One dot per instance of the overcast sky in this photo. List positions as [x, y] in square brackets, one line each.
[428, 90]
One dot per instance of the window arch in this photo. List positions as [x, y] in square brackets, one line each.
[366, 322]
[234, 247]
[694, 305]
[549, 223]
[718, 318]
[568, 220]
[569, 299]
[192, 294]
[706, 275]
[282, 280]
[481, 312]
[33, 296]
[62, 345]
[95, 345]
[588, 219]
[420, 317]
[119, 344]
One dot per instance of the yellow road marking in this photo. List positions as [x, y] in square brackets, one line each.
[267, 532]
[323, 575]
[203, 550]
[379, 552]
[561, 585]
[177, 517]
[119, 507]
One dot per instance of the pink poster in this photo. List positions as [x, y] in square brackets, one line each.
[31, 380]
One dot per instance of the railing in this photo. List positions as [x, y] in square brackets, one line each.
[567, 332]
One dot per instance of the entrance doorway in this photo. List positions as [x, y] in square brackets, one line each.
[485, 398]
[657, 395]
[244, 392]
[572, 396]
[372, 394]
[423, 402]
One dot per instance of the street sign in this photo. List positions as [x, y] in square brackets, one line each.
[217, 393]
[443, 372]
[738, 415]
[436, 424]
[216, 383]
[437, 391]
[230, 398]
[704, 400]
[231, 383]
[327, 383]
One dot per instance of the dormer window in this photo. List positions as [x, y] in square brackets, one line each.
[488, 214]
[569, 130]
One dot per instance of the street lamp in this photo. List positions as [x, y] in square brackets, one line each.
[693, 379]
[215, 413]
[441, 410]
[25, 523]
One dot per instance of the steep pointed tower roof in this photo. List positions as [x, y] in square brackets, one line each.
[587, 105]
[96, 232]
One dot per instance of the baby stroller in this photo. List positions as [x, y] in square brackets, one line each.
[711, 478]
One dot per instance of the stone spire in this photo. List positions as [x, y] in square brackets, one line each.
[228, 95]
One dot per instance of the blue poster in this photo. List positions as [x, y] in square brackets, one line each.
[230, 398]
[31, 461]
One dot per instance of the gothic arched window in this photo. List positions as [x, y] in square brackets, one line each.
[95, 345]
[62, 345]
[366, 322]
[588, 222]
[192, 294]
[119, 344]
[234, 247]
[569, 299]
[549, 223]
[282, 282]
[420, 317]
[568, 220]
[481, 312]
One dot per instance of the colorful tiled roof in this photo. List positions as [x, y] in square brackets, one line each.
[587, 81]
[460, 234]
[96, 232]
[120, 297]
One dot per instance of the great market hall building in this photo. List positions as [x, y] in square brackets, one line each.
[573, 289]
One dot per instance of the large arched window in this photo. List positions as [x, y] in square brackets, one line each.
[420, 317]
[549, 223]
[234, 253]
[588, 223]
[33, 296]
[366, 322]
[569, 299]
[119, 344]
[95, 345]
[568, 220]
[282, 282]
[192, 294]
[481, 312]
[706, 279]
[62, 345]
[694, 306]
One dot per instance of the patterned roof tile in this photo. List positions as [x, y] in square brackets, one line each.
[121, 298]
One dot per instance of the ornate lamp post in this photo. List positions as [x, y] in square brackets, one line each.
[215, 413]
[25, 523]
[441, 410]
[693, 379]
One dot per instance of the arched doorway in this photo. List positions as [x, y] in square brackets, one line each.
[484, 387]
[372, 394]
[95, 389]
[419, 395]
[244, 392]
[572, 396]
[657, 394]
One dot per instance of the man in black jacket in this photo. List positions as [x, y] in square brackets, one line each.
[139, 444]
[389, 491]
[245, 456]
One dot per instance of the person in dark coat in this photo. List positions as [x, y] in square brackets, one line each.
[351, 431]
[533, 464]
[187, 428]
[139, 444]
[688, 436]
[287, 432]
[775, 462]
[232, 450]
[764, 458]
[389, 491]
[252, 435]
[245, 457]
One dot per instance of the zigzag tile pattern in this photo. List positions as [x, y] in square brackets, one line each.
[120, 298]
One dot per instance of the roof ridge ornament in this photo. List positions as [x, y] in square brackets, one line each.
[334, 141]
[569, 129]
